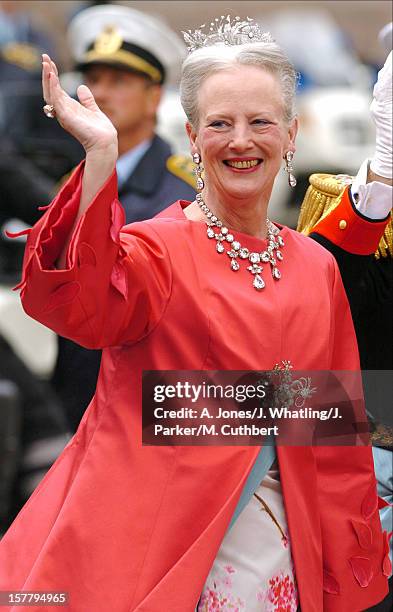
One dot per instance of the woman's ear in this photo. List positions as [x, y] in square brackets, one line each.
[192, 135]
[292, 132]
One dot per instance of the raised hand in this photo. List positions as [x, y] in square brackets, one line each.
[381, 112]
[82, 119]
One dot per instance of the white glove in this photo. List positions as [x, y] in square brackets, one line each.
[381, 112]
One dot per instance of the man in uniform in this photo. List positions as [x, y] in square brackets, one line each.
[125, 57]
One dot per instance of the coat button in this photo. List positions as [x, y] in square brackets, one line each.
[342, 225]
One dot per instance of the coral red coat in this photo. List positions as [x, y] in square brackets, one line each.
[126, 527]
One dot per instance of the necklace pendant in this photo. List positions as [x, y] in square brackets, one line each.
[255, 269]
[292, 180]
[258, 282]
[254, 258]
[223, 236]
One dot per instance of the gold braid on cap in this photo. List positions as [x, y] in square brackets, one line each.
[108, 48]
[322, 196]
[226, 31]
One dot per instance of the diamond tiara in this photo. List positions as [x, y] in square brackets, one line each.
[226, 31]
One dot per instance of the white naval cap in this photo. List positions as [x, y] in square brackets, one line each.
[125, 38]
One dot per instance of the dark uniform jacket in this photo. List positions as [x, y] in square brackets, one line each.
[153, 185]
[158, 180]
[363, 249]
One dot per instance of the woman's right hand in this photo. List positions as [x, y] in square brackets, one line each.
[91, 127]
[82, 119]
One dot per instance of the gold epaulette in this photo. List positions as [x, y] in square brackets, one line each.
[23, 55]
[385, 247]
[322, 196]
[182, 167]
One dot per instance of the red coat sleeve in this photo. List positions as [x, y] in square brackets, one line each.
[352, 542]
[117, 279]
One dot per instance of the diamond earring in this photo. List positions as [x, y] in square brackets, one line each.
[289, 168]
[196, 158]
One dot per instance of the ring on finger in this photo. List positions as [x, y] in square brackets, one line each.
[49, 111]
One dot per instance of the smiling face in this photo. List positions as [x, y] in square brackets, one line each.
[242, 136]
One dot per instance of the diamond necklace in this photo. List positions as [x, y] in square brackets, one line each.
[237, 251]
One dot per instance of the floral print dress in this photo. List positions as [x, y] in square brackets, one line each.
[253, 570]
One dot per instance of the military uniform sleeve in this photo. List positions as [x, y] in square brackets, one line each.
[349, 229]
[329, 211]
[117, 279]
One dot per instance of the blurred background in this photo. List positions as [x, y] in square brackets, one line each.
[335, 47]
[359, 22]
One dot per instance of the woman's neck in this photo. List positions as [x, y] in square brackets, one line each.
[248, 217]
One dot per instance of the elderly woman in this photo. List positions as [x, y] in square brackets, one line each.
[121, 526]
